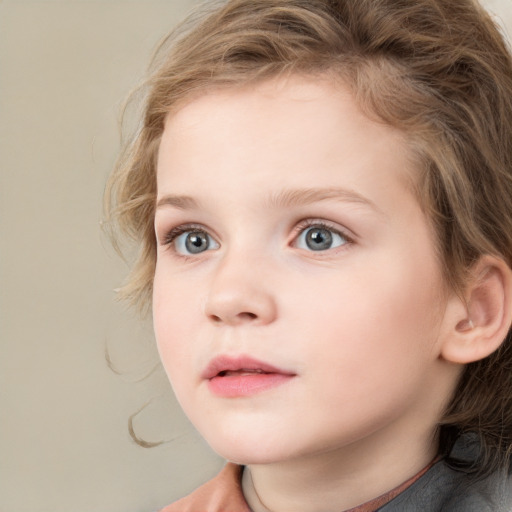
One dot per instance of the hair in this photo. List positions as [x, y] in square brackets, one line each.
[438, 70]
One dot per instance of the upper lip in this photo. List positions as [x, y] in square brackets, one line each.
[232, 364]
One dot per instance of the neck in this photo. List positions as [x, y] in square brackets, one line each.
[307, 484]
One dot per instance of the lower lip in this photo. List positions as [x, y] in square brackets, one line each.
[233, 386]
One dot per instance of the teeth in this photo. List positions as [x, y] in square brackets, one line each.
[242, 371]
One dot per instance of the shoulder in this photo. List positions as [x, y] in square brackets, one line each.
[445, 489]
[220, 494]
[490, 494]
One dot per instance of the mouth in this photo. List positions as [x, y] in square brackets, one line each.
[239, 373]
[243, 376]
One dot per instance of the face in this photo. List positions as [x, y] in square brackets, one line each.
[298, 301]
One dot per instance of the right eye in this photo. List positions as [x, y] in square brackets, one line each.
[192, 241]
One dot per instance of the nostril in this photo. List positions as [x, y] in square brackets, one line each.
[244, 316]
[247, 315]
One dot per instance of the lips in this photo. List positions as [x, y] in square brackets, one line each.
[227, 365]
[242, 376]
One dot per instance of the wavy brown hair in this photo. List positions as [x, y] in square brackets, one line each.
[439, 70]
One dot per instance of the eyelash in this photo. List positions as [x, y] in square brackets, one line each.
[171, 236]
[174, 233]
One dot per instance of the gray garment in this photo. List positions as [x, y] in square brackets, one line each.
[443, 489]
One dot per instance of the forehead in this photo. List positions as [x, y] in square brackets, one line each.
[274, 130]
[288, 97]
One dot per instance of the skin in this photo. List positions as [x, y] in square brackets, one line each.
[360, 325]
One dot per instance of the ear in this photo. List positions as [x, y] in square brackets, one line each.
[478, 323]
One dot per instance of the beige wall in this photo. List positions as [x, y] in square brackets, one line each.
[64, 67]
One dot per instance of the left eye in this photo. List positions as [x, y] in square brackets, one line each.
[320, 238]
[194, 242]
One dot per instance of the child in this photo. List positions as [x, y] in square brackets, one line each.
[322, 194]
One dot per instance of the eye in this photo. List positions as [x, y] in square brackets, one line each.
[320, 238]
[193, 241]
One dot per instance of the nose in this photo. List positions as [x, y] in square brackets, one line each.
[239, 294]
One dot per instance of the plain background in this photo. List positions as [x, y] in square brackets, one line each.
[65, 66]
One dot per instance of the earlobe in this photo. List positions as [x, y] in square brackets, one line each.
[478, 325]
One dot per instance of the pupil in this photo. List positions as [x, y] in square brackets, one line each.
[318, 239]
[196, 242]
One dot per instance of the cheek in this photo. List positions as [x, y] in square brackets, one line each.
[376, 346]
[172, 321]
[378, 318]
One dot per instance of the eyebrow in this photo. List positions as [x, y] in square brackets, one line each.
[300, 197]
[180, 202]
[283, 199]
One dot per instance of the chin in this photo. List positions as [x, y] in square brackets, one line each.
[250, 449]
